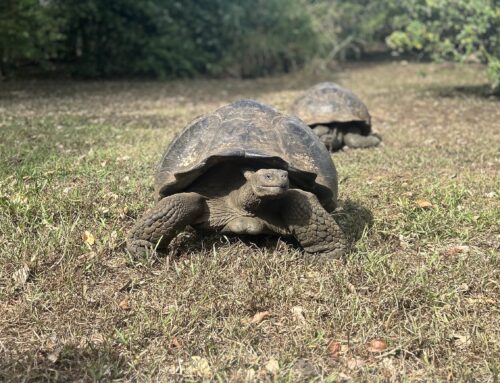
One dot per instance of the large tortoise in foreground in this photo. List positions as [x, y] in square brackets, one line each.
[337, 116]
[245, 169]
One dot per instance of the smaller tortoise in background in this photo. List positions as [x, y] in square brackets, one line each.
[244, 169]
[337, 116]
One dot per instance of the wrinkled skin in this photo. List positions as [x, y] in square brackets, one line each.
[242, 201]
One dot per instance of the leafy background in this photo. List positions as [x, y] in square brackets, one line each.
[245, 38]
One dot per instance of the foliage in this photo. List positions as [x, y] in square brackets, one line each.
[162, 38]
[118, 37]
[494, 73]
[268, 36]
[348, 27]
[244, 38]
[27, 32]
[455, 30]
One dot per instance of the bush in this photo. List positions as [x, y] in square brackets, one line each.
[28, 34]
[457, 30]
[174, 39]
[244, 38]
[268, 36]
[348, 28]
[118, 37]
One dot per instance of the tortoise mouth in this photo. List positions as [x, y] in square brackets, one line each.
[271, 191]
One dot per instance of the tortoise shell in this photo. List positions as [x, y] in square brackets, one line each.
[327, 102]
[251, 132]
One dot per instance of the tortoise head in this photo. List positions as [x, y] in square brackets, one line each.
[267, 183]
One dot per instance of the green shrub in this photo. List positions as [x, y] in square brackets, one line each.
[494, 74]
[244, 38]
[348, 28]
[28, 33]
[457, 30]
[175, 39]
[268, 36]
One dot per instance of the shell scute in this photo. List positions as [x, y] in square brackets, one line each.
[251, 131]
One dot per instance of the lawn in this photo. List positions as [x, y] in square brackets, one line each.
[416, 300]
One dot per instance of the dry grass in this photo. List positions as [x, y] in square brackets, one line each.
[79, 157]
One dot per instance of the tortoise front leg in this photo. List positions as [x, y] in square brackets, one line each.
[159, 225]
[333, 141]
[314, 228]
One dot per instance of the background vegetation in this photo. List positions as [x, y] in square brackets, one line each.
[245, 38]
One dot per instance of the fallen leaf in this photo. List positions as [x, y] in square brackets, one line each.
[200, 367]
[97, 338]
[124, 304]
[457, 250]
[53, 356]
[272, 366]
[334, 348]
[123, 212]
[174, 342]
[354, 363]
[424, 204]
[21, 275]
[298, 313]
[88, 238]
[376, 345]
[351, 287]
[460, 340]
[259, 317]
[463, 288]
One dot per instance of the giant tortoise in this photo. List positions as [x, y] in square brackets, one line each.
[337, 116]
[246, 169]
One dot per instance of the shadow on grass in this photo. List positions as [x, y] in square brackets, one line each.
[352, 217]
[480, 91]
[70, 364]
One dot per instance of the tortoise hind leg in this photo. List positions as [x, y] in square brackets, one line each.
[159, 225]
[314, 228]
[354, 139]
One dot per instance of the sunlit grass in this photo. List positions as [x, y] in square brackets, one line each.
[422, 279]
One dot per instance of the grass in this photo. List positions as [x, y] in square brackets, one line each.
[79, 157]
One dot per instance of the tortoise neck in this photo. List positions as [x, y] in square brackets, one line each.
[246, 199]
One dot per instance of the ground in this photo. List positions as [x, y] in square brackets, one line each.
[416, 300]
